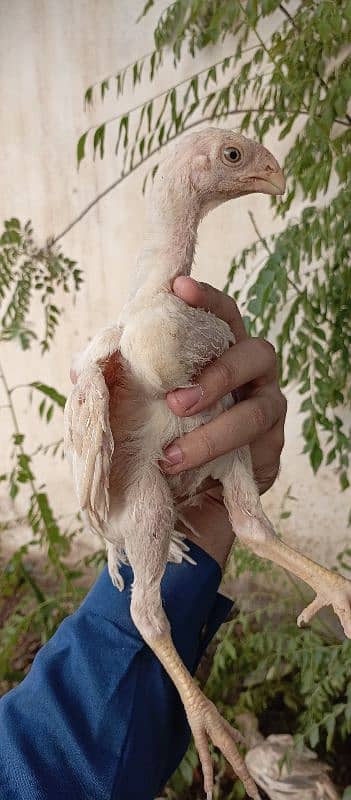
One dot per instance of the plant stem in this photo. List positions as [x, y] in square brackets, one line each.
[270, 252]
[14, 420]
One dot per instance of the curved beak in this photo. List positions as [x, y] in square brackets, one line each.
[270, 182]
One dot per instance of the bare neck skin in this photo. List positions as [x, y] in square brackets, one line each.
[168, 249]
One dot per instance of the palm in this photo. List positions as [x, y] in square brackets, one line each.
[207, 522]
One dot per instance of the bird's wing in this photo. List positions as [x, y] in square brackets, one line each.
[89, 442]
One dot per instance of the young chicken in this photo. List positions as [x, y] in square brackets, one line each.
[117, 421]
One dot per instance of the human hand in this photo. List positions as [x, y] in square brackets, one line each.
[249, 366]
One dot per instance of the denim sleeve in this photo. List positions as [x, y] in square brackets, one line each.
[97, 717]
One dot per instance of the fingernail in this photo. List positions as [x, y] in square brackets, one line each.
[173, 455]
[187, 398]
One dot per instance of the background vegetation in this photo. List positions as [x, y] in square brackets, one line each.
[295, 84]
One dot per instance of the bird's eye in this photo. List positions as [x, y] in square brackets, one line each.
[232, 155]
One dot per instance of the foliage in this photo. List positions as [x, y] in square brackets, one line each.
[32, 604]
[297, 83]
[25, 268]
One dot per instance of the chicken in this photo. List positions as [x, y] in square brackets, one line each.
[117, 421]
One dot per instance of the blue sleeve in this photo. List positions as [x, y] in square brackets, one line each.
[97, 718]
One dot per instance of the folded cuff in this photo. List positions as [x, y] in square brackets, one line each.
[190, 598]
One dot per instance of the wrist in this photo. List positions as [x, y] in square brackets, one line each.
[210, 527]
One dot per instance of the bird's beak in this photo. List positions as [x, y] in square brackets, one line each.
[270, 182]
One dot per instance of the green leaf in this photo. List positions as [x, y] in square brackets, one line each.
[316, 456]
[88, 97]
[314, 736]
[99, 139]
[49, 391]
[81, 147]
[122, 131]
[149, 4]
[330, 725]
[104, 88]
[344, 481]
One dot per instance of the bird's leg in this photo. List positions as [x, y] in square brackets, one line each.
[255, 530]
[150, 527]
[205, 721]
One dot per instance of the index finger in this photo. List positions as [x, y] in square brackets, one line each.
[202, 295]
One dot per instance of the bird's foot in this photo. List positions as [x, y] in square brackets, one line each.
[336, 591]
[208, 725]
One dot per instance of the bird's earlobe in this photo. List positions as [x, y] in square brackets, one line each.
[201, 163]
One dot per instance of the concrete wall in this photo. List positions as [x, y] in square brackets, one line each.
[50, 51]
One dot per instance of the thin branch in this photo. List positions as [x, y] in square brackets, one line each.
[14, 421]
[259, 235]
[20, 386]
[269, 251]
[165, 92]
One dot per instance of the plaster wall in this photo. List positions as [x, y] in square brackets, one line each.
[50, 51]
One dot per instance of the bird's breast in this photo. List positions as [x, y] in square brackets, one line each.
[168, 343]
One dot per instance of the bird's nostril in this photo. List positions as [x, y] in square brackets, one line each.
[270, 168]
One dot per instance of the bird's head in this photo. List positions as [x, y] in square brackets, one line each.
[214, 165]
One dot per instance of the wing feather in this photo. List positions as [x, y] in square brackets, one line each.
[89, 443]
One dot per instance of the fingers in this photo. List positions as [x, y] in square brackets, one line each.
[248, 360]
[251, 366]
[239, 426]
[202, 295]
[266, 452]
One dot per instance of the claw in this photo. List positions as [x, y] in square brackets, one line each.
[310, 610]
[206, 723]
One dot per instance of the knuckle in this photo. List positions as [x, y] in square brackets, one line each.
[207, 445]
[267, 351]
[260, 418]
[225, 375]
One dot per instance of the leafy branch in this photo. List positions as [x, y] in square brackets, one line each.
[26, 271]
[26, 268]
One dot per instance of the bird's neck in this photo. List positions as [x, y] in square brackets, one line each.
[168, 249]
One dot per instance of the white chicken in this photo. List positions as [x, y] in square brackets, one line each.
[117, 421]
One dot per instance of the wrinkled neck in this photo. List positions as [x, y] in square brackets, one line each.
[168, 249]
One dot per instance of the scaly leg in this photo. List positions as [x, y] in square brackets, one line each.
[147, 547]
[205, 721]
[255, 530]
